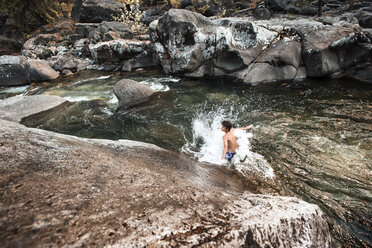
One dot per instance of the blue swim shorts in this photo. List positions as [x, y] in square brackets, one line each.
[229, 155]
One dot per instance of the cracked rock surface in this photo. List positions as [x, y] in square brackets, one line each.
[260, 51]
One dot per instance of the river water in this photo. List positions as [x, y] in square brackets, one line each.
[310, 139]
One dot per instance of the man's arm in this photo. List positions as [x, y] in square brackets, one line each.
[224, 139]
[245, 128]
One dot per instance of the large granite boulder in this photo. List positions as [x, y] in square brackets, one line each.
[364, 18]
[18, 70]
[355, 55]
[151, 15]
[189, 43]
[123, 30]
[65, 191]
[256, 51]
[117, 50]
[319, 59]
[146, 59]
[18, 107]
[130, 93]
[13, 70]
[39, 71]
[277, 5]
[99, 10]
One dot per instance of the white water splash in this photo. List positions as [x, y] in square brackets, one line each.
[92, 79]
[207, 146]
[158, 83]
[77, 98]
[14, 89]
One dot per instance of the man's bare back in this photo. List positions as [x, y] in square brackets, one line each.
[230, 141]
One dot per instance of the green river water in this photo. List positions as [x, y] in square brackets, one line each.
[312, 139]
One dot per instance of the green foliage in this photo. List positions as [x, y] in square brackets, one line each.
[132, 16]
[30, 14]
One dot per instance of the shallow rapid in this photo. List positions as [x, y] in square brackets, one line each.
[310, 139]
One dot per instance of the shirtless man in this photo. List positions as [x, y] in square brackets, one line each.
[229, 140]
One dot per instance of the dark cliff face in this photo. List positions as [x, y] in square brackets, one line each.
[62, 190]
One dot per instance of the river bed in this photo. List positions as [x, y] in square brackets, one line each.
[310, 139]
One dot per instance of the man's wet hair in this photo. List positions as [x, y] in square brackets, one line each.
[227, 125]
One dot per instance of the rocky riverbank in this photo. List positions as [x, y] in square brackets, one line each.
[285, 46]
[60, 190]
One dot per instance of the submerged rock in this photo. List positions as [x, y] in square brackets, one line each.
[87, 192]
[130, 93]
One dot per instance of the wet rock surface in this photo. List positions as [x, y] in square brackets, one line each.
[60, 190]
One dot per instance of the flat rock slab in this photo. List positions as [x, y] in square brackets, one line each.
[17, 107]
[59, 190]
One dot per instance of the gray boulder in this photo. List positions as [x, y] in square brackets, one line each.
[364, 18]
[283, 52]
[18, 70]
[355, 55]
[363, 74]
[196, 46]
[122, 29]
[279, 63]
[265, 73]
[185, 40]
[130, 93]
[117, 50]
[277, 5]
[18, 107]
[85, 28]
[13, 70]
[262, 13]
[310, 11]
[291, 9]
[99, 10]
[147, 58]
[151, 15]
[319, 59]
[39, 70]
